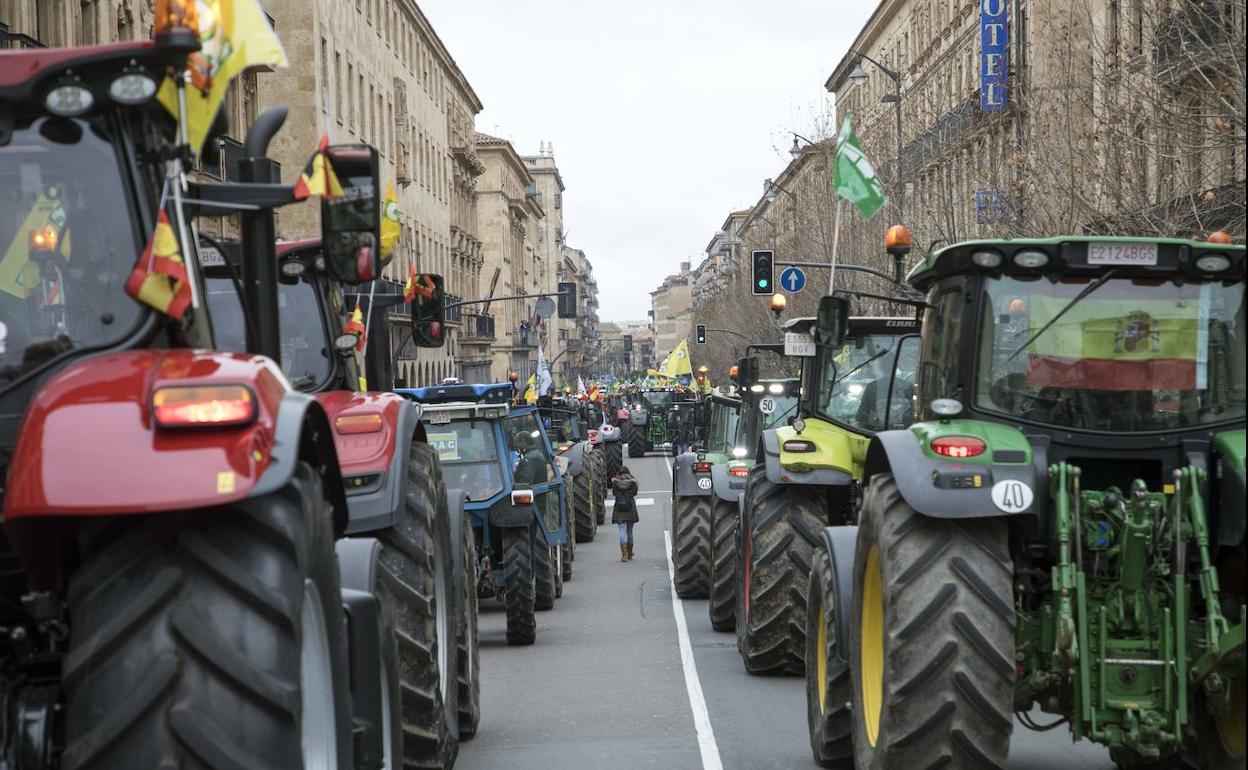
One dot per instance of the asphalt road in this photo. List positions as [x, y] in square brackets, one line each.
[605, 687]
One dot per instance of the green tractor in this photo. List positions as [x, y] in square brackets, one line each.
[1061, 529]
[807, 474]
[648, 423]
[764, 405]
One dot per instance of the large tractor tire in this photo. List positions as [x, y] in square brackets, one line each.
[932, 638]
[211, 638]
[418, 583]
[723, 597]
[691, 546]
[614, 459]
[583, 503]
[783, 523]
[636, 441]
[567, 553]
[828, 687]
[468, 651]
[600, 486]
[549, 578]
[519, 585]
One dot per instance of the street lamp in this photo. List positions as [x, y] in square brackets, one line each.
[859, 76]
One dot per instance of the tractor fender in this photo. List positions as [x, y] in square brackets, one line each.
[458, 520]
[1228, 475]
[378, 502]
[357, 568]
[504, 514]
[63, 466]
[776, 474]
[684, 481]
[576, 459]
[637, 418]
[839, 543]
[609, 433]
[726, 486]
[924, 481]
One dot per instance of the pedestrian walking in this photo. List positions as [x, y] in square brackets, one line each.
[624, 514]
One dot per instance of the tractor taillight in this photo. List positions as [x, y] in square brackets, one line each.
[958, 447]
[188, 406]
[702, 467]
[739, 471]
[522, 497]
[350, 424]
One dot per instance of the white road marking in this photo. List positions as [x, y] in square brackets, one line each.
[701, 717]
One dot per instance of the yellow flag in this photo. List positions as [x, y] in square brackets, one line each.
[234, 35]
[18, 275]
[530, 393]
[390, 227]
[677, 362]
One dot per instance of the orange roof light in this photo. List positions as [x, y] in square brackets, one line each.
[42, 239]
[779, 302]
[1220, 237]
[897, 240]
[177, 23]
[733, 370]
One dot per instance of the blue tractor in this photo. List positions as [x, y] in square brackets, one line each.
[515, 496]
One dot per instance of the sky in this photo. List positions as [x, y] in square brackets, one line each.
[665, 115]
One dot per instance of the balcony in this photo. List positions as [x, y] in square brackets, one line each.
[454, 315]
[524, 339]
[17, 40]
[477, 327]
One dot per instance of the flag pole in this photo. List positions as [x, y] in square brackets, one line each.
[836, 237]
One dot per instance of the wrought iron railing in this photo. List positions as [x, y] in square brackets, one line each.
[16, 39]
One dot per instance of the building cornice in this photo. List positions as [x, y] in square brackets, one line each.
[443, 55]
[866, 36]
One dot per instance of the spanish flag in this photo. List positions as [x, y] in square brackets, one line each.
[593, 393]
[233, 35]
[409, 289]
[355, 325]
[318, 177]
[390, 227]
[159, 278]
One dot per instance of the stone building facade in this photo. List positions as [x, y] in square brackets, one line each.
[377, 72]
[670, 305]
[1095, 115]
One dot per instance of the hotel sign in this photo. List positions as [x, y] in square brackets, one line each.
[993, 39]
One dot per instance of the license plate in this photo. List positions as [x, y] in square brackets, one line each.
[796, 344]
[1122, 254]
[439, 418]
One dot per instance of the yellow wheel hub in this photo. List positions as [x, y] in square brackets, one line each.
[871, 646]
[821, 651]
[1231, 728]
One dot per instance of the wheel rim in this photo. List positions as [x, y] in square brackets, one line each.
[441, 595]
[316, 685]
[1230, 724]
[821, 657]
[558, 561]
[387, 724]
[871, 646]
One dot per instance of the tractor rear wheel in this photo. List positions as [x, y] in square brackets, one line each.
[418, 581]
[932, 637]
[828, 687]
[519, 584]
[784, 523]
[614, 459]
[549, 578]
[723, 595]
[567, 552]
[600, 486]
[211, 638]
[583, 504]
[691, 546]
[468, 651]
[636, 440]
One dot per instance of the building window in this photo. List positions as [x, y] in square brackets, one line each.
[338, 86]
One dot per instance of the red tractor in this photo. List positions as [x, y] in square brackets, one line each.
[170, 593]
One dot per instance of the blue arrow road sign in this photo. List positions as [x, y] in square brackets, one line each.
[793, 279]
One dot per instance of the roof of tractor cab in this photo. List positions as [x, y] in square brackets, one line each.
[493, 394]
[27, 74]
[1072, 253]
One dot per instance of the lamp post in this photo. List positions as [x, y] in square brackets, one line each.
[859, 76]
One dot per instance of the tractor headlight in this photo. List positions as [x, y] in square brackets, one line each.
[68, 100]
[132, 88]
[987, 259]
[1212, 263]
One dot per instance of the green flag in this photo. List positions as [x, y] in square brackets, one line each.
[855, 176]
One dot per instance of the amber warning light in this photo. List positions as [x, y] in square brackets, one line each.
[203, 406]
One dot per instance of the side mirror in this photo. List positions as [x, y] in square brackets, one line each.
[831, 320]
[429, 312]
[351, 222]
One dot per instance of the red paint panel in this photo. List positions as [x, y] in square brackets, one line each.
[363, 452]
[19, 66]
[88, 445]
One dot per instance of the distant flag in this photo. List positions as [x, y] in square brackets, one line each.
[233, 35]
[855, 179]
[580, 384]
[318, 177]
[159, 277]
[544, 380]
[390, 226]
[530, 391]
[355, 325]
[593, 393]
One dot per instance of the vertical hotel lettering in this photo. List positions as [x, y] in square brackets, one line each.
[993, 38]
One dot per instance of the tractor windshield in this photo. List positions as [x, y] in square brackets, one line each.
[854, 381]
[306, 347]
[657, 400]
[1131, 355]
[469, 457]
[66, 243]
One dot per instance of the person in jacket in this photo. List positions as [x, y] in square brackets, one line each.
[624, 514]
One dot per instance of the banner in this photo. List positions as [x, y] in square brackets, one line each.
[994, 35]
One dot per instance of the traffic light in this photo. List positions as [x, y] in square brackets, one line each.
[567, 300]
[700, 335]
[764, 273]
